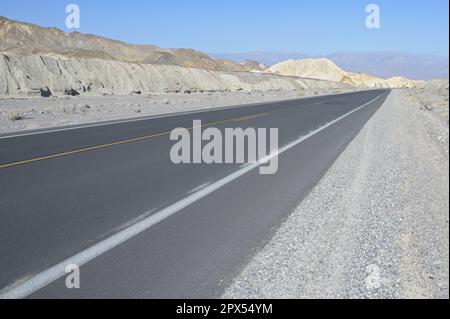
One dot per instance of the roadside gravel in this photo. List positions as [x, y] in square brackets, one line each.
[35, 113]
[376, 225]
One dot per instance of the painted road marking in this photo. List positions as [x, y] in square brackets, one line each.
[157, 116]
[137, 139]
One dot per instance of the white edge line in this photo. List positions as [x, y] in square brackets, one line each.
[40, 280]
[158, 116]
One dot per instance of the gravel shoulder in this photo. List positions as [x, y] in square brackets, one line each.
[376, 225]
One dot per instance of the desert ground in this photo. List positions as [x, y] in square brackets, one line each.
[36, 113]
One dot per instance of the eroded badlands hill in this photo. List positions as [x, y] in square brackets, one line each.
[325, 69]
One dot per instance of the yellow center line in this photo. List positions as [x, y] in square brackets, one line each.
[87, 149]
[251, 117]
[137, 139]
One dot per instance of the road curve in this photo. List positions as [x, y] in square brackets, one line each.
[144, 227]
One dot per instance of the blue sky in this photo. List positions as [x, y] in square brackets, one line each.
[312, 27]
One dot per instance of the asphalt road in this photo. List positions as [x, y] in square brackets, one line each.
[143, 227]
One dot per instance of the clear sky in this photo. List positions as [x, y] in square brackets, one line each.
[312, 27]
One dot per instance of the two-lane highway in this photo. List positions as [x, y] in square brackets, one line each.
[108, 198]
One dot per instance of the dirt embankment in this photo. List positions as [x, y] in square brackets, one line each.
[432, 97]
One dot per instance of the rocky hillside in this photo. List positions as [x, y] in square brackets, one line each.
[49, 62]
[24, 38]
[23, 75]
[325, 69]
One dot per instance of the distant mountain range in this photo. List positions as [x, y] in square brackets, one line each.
[380, 64]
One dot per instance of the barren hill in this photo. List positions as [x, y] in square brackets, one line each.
[322, 69]
[25, 38]
[47, 61]
[50, 61]
[325, 69]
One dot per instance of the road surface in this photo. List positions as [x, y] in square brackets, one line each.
[107, 197]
